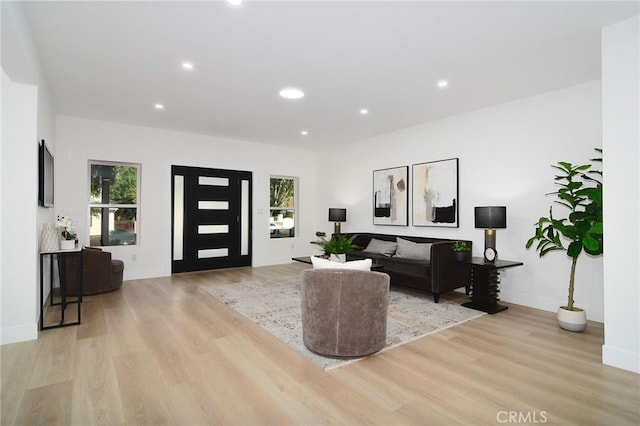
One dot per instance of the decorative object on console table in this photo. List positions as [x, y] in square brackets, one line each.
[336, 216]
[67, 244]
[490, 218]
[485, 277]
[390, 199]
[580, 190]
[435, 193]
[68, 241]
[49, 238]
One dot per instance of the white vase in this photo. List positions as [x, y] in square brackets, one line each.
[68, 244]
[49, 238]
[342, 257]
[571, 320]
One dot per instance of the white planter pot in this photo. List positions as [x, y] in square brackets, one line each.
[572, 320]
[67, 244]
[342, 258]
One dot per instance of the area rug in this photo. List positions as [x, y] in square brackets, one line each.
[275, 306]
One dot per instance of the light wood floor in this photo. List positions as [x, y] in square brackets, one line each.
[161, 352]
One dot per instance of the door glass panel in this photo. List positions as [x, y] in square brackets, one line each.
[213, 181]
[178, 216]
[207, 253]
[213, 229]
[244, 218]
[213, 205]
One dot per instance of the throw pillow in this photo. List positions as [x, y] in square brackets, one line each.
[387, 248]
[362, 265]
[410, 250]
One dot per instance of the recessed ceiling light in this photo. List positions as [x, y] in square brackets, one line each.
[291, 93]
[304, 133]
[158, 106]
[234, 2]
[364, 111]
[187, 65]
[443, 83]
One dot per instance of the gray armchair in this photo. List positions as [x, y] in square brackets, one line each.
[100, 273]
[344, 312]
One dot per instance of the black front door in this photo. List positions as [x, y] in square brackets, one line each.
[211, 216]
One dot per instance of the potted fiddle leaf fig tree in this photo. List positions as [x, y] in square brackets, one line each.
[580, 193]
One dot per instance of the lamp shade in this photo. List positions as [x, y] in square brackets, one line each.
[491, 217]
[337, 215]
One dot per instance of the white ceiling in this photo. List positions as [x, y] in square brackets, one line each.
[114, 60]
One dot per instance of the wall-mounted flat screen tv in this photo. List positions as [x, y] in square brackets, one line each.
[45, 176]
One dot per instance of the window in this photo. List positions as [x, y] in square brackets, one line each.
[113, 203]
[282, 211]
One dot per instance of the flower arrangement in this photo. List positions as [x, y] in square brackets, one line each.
[66, 223]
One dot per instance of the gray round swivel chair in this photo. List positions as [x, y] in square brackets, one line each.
[344, 312]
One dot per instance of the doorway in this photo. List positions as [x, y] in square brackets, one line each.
[211, 218]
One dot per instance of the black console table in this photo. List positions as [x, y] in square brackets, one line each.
[63, 287]
[484, 284]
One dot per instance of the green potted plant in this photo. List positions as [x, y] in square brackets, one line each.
[462, 250]
[68, 240]
[337, 246]
[580, 192]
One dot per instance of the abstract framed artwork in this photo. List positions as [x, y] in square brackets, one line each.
[390, 196]
[435, 193]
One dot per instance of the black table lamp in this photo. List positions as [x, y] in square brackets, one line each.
[337, 216]
[490, 218]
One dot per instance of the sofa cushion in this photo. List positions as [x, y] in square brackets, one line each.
[410, 250]
[361, 254]
[319, 263]
[387, 248]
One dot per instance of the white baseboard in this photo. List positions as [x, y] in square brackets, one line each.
[621, 358]
[18, 333]
[144, 274]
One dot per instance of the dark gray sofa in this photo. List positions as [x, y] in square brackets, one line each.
[439, 274]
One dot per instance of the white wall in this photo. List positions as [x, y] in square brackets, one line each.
[505, 155]
[21, 69]
[82, 140]
[621, 133]
[19, 242]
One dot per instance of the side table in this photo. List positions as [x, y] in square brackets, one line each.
[63, 287]
[484, 284]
